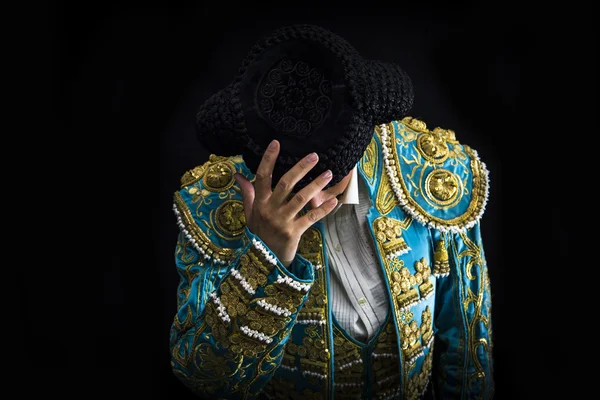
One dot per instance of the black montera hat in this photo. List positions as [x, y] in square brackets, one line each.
[312, 91]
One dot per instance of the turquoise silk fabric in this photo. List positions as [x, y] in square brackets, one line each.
[247, 327]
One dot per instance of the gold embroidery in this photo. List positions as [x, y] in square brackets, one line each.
[234, 298]
[433, 148]
[268, 324]
[219, 176]
[386, 365]
[242, 344]
[475, 259]
[415, 124]
[315, 307]
[193, 175]
[443, 188]
[311, 246]
[220, 331]
[182, 249]
[440, 186]
[388, 232]
[422, 278]
[284, 297]
[385, 200]
[369, 160]
[313, 353]
[417, 383]
[253, 272]
[230, 219]
[187, 323]
[209, 361]
[426, 327]
[197, 234]
[257, 259]
[402, 283]
[441, 265]
[447, 134]
[349, 368]
[411, 345]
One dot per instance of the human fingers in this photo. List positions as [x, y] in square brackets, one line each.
[248, 194]
[300, 199]
[287, 182]
[316, 214]
[264, 172]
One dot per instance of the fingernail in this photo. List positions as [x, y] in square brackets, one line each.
[312, 157]
[273, 145]
[327, 174]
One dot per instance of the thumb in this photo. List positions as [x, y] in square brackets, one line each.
[247, 189]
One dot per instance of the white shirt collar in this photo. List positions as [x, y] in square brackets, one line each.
[350, 195]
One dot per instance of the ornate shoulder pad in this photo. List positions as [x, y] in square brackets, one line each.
[438, 181]
[209, 207]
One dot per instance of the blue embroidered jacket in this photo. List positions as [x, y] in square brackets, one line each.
[247, 327]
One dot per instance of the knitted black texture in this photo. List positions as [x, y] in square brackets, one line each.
[368, 93]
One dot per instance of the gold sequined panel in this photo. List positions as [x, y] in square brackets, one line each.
[415, 338]
[437, 175]
[349, 369]
[388, 233]
[407, 289]
[386, 364]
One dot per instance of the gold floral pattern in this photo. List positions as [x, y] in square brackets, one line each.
[433, 148]
[219, 176]
[443, 187]
[230, 219]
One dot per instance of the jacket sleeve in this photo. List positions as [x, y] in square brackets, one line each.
[235, 309]
[463, 344]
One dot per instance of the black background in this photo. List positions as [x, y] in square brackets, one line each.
[126, 79]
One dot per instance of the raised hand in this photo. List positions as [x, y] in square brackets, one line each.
[271, 214]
